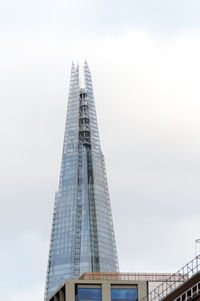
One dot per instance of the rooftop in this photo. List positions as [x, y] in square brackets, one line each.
[127, 276]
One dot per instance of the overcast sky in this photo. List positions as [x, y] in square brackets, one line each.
[144, 56]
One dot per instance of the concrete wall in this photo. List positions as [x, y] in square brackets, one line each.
[67, 291]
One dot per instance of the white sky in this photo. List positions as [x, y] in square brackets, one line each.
[144, 59]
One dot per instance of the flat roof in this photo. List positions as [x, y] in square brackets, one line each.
[127, 276]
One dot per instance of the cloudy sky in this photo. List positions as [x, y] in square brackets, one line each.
[144, 56]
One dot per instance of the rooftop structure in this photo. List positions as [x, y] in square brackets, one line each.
[128, 276]
[184, 285]
[108, 287]
[188, 291]
[165, 290]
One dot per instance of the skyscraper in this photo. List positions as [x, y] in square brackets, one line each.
[82, 238]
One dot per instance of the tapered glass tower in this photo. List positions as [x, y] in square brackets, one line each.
[82, 238]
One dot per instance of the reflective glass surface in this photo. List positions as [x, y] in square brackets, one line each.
[88, 294]
[124, 294]
[82, 237]
[106, 241]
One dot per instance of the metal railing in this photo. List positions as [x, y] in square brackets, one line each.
[125, 276]
[174, 281]
[190, 293]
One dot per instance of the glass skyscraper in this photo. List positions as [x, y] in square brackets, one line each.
[82, 237]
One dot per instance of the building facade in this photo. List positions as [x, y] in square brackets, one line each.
[100, 290]
[184, 285]
[82, 237]
[108, 287]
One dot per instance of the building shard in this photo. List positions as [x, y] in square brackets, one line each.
[82, 237]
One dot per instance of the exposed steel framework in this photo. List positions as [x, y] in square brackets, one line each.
[175, 280]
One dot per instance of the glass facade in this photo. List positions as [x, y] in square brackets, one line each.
[124, 294]
[82, 237]
[88, 294]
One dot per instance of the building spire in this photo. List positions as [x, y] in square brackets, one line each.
[82, 238]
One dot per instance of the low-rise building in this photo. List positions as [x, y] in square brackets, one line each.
[109, 287]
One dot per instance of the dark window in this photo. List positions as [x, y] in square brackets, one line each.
[124, 294]
[89, 294]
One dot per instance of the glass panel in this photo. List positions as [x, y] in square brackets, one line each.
[124, 294]
[82, 238]
[89, 294]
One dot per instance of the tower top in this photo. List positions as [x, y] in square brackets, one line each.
[82, 238]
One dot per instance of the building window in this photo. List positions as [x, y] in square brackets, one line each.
[124, 294]
[88, 294]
